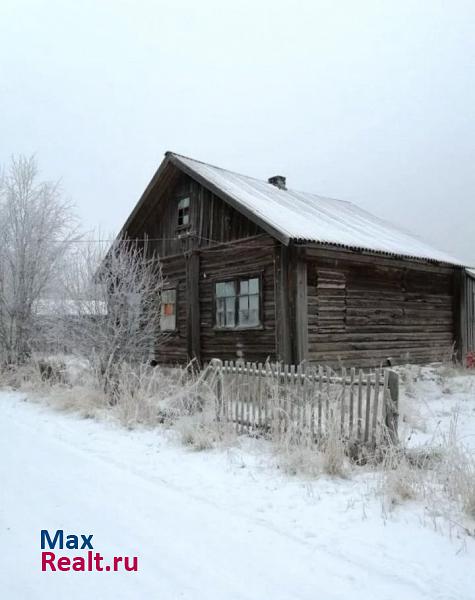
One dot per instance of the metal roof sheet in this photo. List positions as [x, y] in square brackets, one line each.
[307, 217]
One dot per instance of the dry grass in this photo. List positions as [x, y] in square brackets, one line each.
[456, 471]
[140, 395]
[299, 453]
[442, 475]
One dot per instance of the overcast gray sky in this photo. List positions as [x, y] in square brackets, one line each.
[372, 102]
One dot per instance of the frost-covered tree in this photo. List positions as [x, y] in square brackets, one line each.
[112, 297]
[37, 226]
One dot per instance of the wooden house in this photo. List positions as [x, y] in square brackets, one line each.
[256, 271]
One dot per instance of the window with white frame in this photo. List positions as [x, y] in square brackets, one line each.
[168, 310]
[237, 303]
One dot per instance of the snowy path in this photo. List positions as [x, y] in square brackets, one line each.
[200, 527]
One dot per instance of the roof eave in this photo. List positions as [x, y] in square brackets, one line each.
[143, 198]
[386, 253]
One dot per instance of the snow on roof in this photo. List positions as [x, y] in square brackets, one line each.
[307, 217]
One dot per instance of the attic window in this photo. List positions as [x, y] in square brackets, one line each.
[184, 212]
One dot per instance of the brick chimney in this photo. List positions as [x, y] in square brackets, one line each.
[278, 181]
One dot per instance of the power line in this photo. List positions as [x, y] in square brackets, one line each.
[160, 239]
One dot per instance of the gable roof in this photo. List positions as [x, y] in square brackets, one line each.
[289, 215]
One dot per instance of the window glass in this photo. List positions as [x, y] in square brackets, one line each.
[230, 311]
[168, 310]
[254, 286]
[184, 203]
[220, 290]
[254, 302]
[225, 304]
[237, 309]
[183, 212]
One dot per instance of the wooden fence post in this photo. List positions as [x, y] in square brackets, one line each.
[218, 386]
[392, 413]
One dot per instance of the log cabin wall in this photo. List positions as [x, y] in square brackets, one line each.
[171, 346]
[244, 258]
[192, 253]
[365, 309]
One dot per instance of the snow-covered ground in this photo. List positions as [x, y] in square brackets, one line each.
[216, 524]
[431, 397]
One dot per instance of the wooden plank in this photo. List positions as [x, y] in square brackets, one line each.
[299, 400]
[360, 407]
[260, 387]
[327, 399]
[351, 405]
[248, 383]
[282, 316]
[301, 308]
[374, 424]
[313, 399]
[226, 398]
[367, 423]
[342, 401]
[193, 303]
[292, 399]
[392, 413]
[320, 401]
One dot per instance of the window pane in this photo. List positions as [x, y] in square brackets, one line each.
[220, 316]
[230, 289]
[185, 219]
[168, 296]
[225, 304]
[168, 310]
[254, 302]
[253, 318]
[220, 313]
[243, 302]
[244, 287]
[184, 203]
[244, 319]
[254, 286]
[230, 312]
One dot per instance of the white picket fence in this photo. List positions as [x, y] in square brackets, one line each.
[259, 397]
